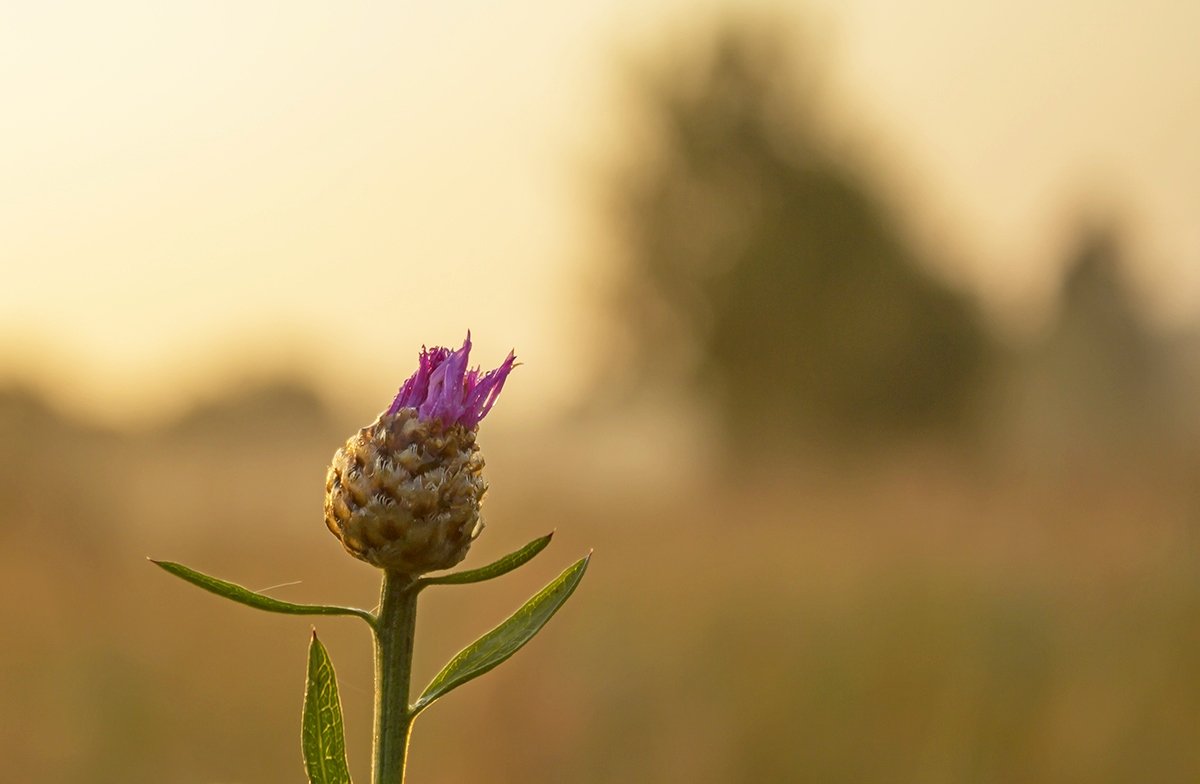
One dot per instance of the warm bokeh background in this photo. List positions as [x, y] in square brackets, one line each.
[859, 340]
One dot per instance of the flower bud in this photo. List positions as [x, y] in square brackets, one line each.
[404, 493]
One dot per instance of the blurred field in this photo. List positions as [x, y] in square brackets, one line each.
[915, 617]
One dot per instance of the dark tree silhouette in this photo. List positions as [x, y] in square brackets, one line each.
[752, 251]
[1106, 374]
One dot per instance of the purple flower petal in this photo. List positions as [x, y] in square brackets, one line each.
[444, 389]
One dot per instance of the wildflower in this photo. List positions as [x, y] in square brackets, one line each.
[404, 493]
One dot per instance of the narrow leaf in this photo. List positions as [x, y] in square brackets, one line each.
[322, 734]
[495, 569]
[506, 639]
[257, 600]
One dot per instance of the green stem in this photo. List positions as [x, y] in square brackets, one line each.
[394, 633]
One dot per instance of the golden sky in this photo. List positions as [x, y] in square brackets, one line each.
[192, 183]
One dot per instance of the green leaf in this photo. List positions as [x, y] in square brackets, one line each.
[495, 569]
[506, 639]
[257, 600]
[322, 734]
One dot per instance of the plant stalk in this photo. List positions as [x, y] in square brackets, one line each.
[394, 633]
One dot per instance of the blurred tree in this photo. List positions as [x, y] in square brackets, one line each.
[257, 406]
[1104, 375]
[49, 487]
[763, 270]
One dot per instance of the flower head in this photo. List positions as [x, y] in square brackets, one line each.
[444, 389]
[404, 493]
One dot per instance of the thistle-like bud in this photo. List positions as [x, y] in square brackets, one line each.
[404, 493]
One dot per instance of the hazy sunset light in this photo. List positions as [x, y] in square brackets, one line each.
[183, 178]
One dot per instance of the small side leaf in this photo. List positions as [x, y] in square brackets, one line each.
[322, 734]
[257, 600]
[494, 569]
[506, 639]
